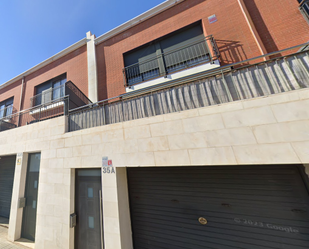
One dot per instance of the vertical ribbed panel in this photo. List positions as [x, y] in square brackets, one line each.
[279, 76]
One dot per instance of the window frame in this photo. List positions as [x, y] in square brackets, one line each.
[304, 8]
[164, 60]
[5, 109]
[49, 87]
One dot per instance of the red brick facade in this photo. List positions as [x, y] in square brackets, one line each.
[12, 90]
[73, 64]
[279, 24]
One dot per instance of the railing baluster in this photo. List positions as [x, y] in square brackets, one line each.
[177, 59]
[229, 95]
[292, 73]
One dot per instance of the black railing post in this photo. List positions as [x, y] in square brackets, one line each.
[66, 106]
[104, 118]
[40, 113]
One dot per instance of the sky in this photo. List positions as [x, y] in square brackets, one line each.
[31, 31]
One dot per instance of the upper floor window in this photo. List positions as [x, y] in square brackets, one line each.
[181, 49]
[304, 8]
[6, 107]
[50, 90]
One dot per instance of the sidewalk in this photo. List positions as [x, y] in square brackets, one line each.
[4, 243]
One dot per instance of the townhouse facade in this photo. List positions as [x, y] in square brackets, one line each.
[185, 127]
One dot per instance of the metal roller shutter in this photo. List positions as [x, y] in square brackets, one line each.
[7, 169]
[245, 207]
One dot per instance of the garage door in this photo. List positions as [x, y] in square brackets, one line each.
[219, 207]
[7, 169]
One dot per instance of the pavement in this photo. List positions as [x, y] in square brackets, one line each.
[4, 243]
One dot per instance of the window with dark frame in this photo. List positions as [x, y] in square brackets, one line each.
[6, 107]
[50, 90]
[304, 8]
[179, 50]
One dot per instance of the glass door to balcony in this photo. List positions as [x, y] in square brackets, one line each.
[58, 89]
[50, 90]
[179, 50]
[6, 108]
[2, 109]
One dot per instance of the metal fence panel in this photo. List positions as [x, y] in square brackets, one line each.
[263, 79]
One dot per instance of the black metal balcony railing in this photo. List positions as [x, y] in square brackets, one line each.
[304, 9]
[48, 95]
[53, 109]
[77, 97]
[6, 120]
[56, 104]
[212, 87]
[166, 63]
[4, 125]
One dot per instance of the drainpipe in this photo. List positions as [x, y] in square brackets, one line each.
[252, 28]
[21, 97]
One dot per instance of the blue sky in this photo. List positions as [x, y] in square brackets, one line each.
[34, 30]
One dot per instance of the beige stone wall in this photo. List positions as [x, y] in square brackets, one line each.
[267, 130]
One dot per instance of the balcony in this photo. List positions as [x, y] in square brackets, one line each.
[76, 96]
[163, 64]
[247, 79]
[6, 120]
[52, 103]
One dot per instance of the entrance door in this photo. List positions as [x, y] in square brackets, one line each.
[7, 169]
[243, 207]
[87, 208]
[31, 195]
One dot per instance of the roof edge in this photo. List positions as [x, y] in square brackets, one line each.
[46, 62]
[138, 19]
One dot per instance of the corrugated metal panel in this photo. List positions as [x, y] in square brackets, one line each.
[246, 207]
[7, 169]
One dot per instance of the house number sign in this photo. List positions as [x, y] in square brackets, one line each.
[107, 166]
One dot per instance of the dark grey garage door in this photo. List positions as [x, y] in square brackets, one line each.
[7, 169]
[244, 207]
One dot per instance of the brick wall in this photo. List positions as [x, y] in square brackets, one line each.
[110, 52]
[280, 24]
[231, 32]
[12, 90]
[73, 64]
